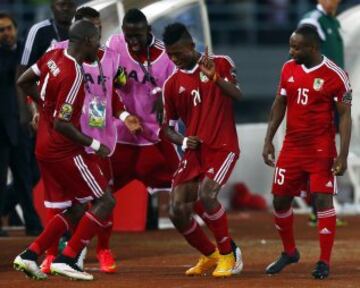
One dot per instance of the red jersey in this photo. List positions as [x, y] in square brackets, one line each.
[205, 110]
[310, 93]
[62, 96]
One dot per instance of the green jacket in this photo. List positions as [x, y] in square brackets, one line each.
[328, 28]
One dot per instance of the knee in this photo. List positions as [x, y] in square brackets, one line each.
[177, 211]
[75, 212]
[208, 194]
[324, 201]
[281, 204]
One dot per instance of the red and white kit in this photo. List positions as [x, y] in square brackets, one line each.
[69, 173]
[208, 114]
[309, 148]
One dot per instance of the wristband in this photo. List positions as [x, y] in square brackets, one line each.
[184, 144]
[95, 145]
[123, 115]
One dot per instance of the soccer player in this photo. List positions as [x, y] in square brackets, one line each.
[99, 120]
[200, 93]
[65, 166]
[310, 85]
[147, 156]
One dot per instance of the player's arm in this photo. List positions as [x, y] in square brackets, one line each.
[132, 122]
[277, 114]
[26, 84]
[228, 84]
[171, 118]
[340, 163]
[68, 107]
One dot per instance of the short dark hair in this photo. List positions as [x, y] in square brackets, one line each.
[135, 16]
[174, 32]
[81, 30]
[86, 12]
[310, 34]
[4, 14]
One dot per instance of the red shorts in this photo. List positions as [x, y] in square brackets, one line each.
[105, 166]
[214, 163]
[294, 175]
[154, 165]
[76, 179]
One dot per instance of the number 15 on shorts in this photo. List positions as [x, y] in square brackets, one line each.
[279, 176]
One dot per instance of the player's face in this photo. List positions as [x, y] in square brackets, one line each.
[182, 54]
[63, 10]
[330, 6]
[7, 32]
[97, 22]
[300, 51]
[136, 35]
[92, 46]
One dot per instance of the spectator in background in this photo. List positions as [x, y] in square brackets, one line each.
[13, 139]
[328, 28]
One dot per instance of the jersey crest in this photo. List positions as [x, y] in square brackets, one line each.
[318, 84]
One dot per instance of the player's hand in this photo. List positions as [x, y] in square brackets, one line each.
[207, 65]
[191, 142]
[339, 167]
[103, 151]
[133, 124]
[269, 154]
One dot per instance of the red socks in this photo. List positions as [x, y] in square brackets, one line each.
[326, 228]
[57, 226]
[284, 224]
[88, 226]
[217, 222]
[103, 237]
[196, 237]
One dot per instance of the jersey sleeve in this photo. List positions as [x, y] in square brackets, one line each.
[170, 114]
[343, 91]
[31, 53]
[282, 89]
[227, 69]
[69, 104]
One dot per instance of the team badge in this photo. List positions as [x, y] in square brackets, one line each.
[66, 111]
[318, 84]
[203, 77]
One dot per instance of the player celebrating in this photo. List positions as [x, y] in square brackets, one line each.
[144, 156]
[101, 112]
[201, 92]
[66, 168]
[310, 84]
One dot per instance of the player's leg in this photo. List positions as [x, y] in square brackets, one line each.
[289, 180]
[181, 216]
[86, 181]
[321, 179]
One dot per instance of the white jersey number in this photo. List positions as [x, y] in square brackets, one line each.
[279, 176]
[196, 97]
[302, 96]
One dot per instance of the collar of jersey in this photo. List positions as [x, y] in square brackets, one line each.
[308, 70]
[321, 9]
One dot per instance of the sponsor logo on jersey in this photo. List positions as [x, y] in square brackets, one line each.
[329, 184]
[291, 79]
[318, 84]
[181, 89]
[203, 77]
[65, 112]
[54, 69]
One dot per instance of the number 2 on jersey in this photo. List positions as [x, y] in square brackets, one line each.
[302, 97]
